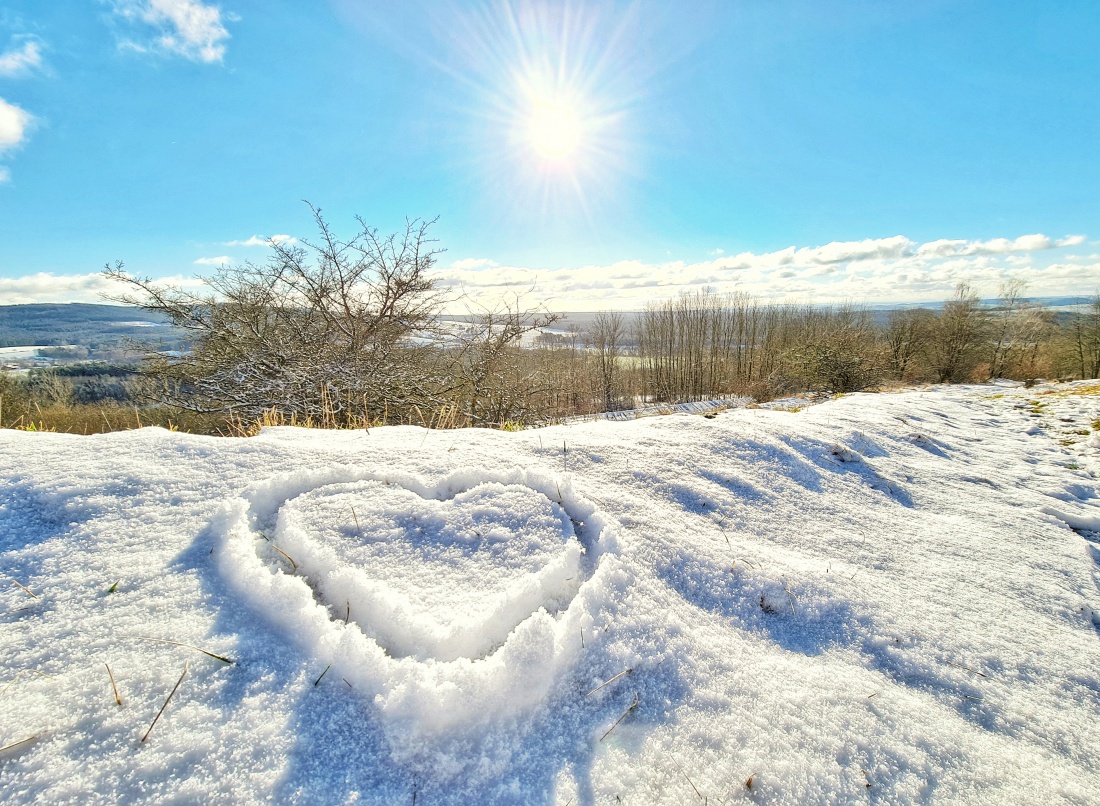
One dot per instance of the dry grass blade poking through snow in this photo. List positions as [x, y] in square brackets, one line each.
[625, 714]
[20, 743]
[609, 681]
[114, 688]
[222, 658]
[25, 589]
[171, 694]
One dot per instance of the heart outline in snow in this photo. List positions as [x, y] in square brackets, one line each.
[429, 695]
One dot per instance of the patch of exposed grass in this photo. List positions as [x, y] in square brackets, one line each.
[1089, 390]
[102, 418]
[22, 414]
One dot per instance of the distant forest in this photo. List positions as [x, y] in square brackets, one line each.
[97, 328]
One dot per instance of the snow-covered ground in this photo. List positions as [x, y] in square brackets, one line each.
[888, 598]
[18, 353]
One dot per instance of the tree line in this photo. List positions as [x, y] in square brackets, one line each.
[704, 345]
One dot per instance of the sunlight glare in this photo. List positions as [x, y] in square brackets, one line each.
[555, 130]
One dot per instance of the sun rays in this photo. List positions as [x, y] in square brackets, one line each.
[549, 115]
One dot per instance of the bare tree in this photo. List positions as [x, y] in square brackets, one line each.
[1085, 340]
[907, 332]
[323, 329]
[606, 336]
[956, 337]
[1005, 323]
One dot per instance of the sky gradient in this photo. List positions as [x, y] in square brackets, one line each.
[825, 151]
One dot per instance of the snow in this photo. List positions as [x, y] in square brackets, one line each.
[882, 597]
[18, 353]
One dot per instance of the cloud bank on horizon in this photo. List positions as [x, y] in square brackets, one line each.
[874, 270]
[879, 270]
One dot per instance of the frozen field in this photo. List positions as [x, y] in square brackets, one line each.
[882, 598]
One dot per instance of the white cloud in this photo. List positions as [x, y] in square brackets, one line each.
[187, 28]
[14, 123]
[48, 287]
[22, 60]
[260, 240]
[1025, 243]
[94, 287]
[844, 251]
[836, 252]
[5, 175]
[873, 270]
[213, 261]
[474, 263]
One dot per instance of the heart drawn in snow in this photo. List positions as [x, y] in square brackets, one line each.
[447, 604]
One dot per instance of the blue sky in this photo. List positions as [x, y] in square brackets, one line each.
[591, 155]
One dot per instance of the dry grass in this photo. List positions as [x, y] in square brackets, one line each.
[114, 688]
[1084, 390]
[222, 658]
[101, 419]
[24, 415]
[171, 694]
[448, 416]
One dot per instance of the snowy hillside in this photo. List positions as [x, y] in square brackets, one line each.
[883, 598]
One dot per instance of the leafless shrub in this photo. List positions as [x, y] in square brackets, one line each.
[325, 329]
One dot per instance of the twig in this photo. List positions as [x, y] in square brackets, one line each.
[626, 713]
[965, 668]
[693, 786]
[114, 688]
[170, 695]
[319, 679]
[347, 616]
[608, 682]
[356, 517]
[17, 744]
[25, 589]
[187, 646]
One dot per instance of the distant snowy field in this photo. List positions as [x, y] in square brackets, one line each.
[882, 598]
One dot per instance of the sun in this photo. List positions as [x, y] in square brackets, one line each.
[555, 130]
[551, 116]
